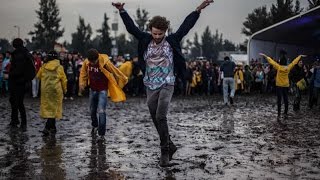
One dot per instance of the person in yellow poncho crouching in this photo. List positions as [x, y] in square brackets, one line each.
[102, 77]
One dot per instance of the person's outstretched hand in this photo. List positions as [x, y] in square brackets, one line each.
[302, 55]
[118, 5]
[261, 54]
[204, 4]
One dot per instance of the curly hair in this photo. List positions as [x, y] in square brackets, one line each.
[159, 22]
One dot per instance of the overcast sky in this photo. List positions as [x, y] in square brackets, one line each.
[225, 15]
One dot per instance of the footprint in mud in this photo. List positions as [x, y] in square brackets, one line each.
[217, 148]
[80, 140]
[175, 170]
[171, 164]
[117, 152]
[197, 148]
[203, 156]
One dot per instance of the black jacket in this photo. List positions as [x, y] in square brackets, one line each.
[173, 39]
[297, 73]
[19, 58]
[70, 76]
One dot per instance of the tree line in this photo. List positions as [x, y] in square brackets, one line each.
[47, 30]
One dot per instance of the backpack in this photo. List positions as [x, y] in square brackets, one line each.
[30, 69]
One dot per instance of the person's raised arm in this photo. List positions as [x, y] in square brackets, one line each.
[295, 61]
[191, 19]
[203, 5]
[118, 5]
[128, 22]
[271, 61]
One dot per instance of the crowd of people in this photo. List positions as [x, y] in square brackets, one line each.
[202, 77]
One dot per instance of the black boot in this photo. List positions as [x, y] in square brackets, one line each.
[53, 129]
[164, 158]
[13, 124]
[45, 131]
[23, 125]
[231, 100]
[172, 149]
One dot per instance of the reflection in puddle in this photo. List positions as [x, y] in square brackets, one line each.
[52, 165]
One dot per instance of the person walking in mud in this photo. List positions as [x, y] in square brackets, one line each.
[160, 58]
[102, 77]
[228, 69]
[53, 87]
[282, 80]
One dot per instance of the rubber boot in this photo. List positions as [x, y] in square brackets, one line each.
[164, 158]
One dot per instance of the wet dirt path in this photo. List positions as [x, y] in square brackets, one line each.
[214, 142]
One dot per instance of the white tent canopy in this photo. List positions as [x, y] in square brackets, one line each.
[239, 59]
[297, 35]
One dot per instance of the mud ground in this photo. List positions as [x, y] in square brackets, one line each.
[214, 142]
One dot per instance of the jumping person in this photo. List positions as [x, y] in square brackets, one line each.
[160, 58]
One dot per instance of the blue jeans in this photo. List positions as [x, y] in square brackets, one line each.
[228, 82]
[98, 106]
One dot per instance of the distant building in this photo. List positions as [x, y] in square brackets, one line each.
[240, 59]
[236, 54]
[223, 54]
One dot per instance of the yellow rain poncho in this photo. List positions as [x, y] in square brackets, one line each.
[126, 69]
[238, 78]
[282, 78]
[113, 74]
[53, 86]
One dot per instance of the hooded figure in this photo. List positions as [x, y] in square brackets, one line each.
[53, 86]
